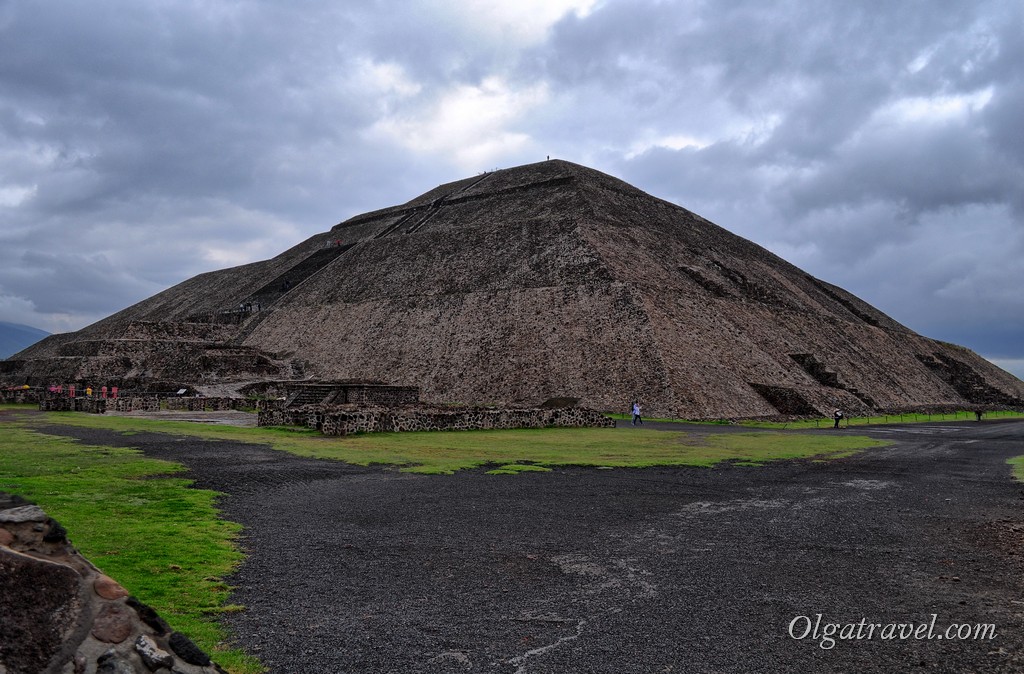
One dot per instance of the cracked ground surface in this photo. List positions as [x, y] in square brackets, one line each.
[352, 569]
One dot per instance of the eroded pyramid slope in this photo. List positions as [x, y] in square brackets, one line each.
[546, 280]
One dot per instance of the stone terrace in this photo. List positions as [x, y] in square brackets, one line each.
[351, 419]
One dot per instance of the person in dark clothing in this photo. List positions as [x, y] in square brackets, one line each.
[838, 416]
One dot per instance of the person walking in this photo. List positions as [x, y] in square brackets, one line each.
[838, 416]
[636, 414]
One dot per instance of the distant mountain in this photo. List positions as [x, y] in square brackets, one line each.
[14, 337]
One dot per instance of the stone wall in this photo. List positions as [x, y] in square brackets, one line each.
[788, 401]
[350, 393]
[344, 421]
[203, 404]
[61, 614]
[19, 395]
[385, 396]
[64, 404]
[968, 382]
[141, 404]
[134, 404]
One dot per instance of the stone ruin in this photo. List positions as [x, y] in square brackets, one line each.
[349, 419]
[350, 393]
[529, 283]
[133, 403]
[62, 615]
[344, 408]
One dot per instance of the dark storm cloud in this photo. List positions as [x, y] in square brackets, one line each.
[875, 144]
[121, 120]
[134, 100]
[859, 140]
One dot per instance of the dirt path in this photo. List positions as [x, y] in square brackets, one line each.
[655, 570]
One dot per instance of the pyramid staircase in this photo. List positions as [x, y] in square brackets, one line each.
[829, 378]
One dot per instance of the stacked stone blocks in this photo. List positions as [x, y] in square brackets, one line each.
[197, 404]
[65, 404]
[134, 404]
[142, 404]
[21, 396]
[349, 419]
[346, 393]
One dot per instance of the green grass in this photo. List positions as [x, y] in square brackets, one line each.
[130, 516]
[447, 452]
[516, 468]
[629, 417]
[909, 418]
[1017, 466]
[826, 422]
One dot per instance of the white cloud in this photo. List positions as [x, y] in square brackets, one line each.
[15, 309]
[471, 125]
[922, 60]
[678, 141]
[13, 196]
[383, 78]
[523, 22]
[934, 109]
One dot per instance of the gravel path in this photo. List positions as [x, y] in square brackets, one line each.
[656, 570]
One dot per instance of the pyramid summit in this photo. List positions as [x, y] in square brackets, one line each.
[524, 284]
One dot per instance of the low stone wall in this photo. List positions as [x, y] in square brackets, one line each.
[201, 404]
[134, 404]
[366, 394]
[64, 404]
[141, 404]
[384, 396]
[344, 421]
[28, 395]
[61, 614]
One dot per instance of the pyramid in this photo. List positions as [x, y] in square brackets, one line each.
[524, 284]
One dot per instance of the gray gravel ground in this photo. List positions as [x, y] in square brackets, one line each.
[654, 570]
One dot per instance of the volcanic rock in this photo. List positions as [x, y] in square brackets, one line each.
[59, 613]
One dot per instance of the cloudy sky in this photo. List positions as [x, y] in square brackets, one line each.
[876, 144]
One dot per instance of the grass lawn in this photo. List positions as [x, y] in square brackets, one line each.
[826, 422]
[909, 418]
[516, 451]
[447, 452]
